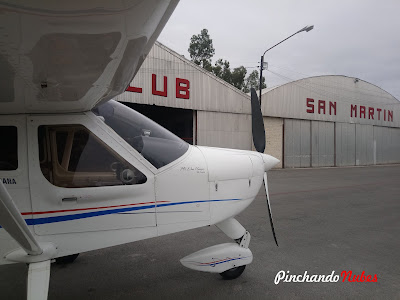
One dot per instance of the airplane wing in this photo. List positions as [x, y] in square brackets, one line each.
[69, 56]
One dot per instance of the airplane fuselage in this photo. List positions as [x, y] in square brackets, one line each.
[82, 186]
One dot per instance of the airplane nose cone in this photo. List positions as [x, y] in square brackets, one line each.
[269, 161]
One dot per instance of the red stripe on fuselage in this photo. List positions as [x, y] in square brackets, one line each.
[80, 209]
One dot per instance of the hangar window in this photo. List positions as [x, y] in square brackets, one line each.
[71, 156]
[9, 148]
[155, 143]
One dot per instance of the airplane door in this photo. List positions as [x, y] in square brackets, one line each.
[13, 160]
[82, 179]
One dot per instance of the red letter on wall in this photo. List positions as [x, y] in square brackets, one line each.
[133, 89]
[353, 108]
[370, 113]
[379, 113]
[362, 111]
[390, 115]
[332, 105]
[154, 87]
[321, 106]
[182, 91]
[310, 105]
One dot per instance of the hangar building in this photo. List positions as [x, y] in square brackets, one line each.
[312, 122]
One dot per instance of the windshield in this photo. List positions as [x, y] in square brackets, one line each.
[155, 143]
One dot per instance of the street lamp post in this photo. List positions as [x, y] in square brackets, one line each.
[307, 28]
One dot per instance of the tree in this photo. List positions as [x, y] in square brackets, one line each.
[201, 49]
[222, 70]
[238, 76]
[217, 69]
[253, 81]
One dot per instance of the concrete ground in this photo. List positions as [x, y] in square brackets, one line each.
[326, 220]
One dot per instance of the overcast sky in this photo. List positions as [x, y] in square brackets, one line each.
[357, 38]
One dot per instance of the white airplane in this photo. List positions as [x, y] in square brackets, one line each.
[80, 171]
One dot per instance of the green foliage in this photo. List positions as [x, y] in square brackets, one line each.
[222, 70]
[201, 49]
[238, 76]
[253, 81]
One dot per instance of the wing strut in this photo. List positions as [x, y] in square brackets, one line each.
[39, 272]
[38, 280]
[12, 221]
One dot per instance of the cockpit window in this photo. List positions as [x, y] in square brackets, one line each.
[155, 143]
[72, 157]
[9, 148]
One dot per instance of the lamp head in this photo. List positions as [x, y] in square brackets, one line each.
[307, 28]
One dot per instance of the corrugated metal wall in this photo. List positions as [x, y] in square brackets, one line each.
[290, 101]
[323, 144]
[225, 130]
[309, 143]
[207, 92]
[345, 144]
[364, 145]
[297, 143]
[387, 145]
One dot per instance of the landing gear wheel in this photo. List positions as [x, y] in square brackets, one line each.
[66, 259]
[233, 273]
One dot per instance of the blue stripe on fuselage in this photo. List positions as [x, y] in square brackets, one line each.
[63, 218]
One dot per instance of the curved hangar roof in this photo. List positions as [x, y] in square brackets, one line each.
[332, 98]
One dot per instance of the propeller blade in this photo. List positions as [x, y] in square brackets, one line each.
[257, 123]
[269, 207]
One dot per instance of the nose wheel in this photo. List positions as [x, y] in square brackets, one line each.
[233, 273]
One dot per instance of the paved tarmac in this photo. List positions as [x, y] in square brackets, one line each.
[326, 220]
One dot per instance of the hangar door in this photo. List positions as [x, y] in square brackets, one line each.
[309, 144]
[364, 145]
[345, 144]
[386, 145]
[297, 144]
[322, 144]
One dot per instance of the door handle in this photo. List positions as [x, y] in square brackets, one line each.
[70, 199]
